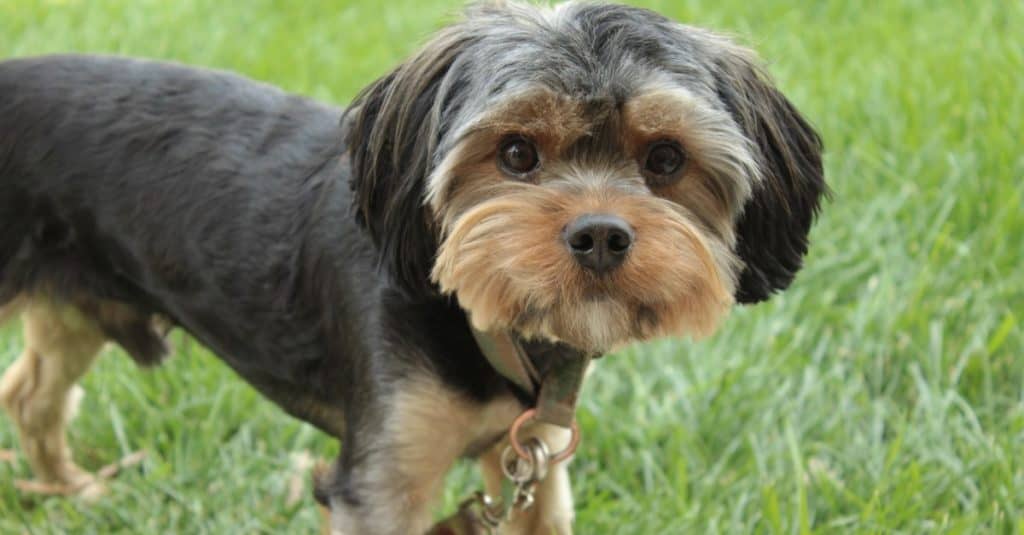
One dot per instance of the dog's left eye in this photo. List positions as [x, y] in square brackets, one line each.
[664, 161]
[518, 156]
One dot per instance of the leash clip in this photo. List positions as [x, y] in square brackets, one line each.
[484, 515]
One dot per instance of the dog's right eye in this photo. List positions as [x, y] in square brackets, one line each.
[518, 156]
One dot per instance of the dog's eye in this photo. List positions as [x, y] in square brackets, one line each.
[665, 159]
[518, 156]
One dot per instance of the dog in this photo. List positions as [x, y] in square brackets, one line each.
[587, 175]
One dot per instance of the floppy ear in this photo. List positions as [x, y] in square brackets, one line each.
[393, 128]
[772, 230]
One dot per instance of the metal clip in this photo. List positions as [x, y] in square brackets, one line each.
[524, 464]
[523, 474]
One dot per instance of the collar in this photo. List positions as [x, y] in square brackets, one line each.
[550, 373]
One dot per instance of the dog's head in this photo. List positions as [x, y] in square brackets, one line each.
[590, 173]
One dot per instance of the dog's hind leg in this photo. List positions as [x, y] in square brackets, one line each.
[40, 393]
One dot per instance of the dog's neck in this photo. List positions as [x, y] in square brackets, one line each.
[549, 374]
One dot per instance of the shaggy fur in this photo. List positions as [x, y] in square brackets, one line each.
[336, 259]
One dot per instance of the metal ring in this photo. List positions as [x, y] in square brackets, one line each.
[530, 414]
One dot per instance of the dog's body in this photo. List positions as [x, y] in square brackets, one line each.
[136, 195]
[137, 191]
[217, 203]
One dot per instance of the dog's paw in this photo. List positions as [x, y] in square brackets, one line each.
[91, 489]
[538, 524]
[80, 484]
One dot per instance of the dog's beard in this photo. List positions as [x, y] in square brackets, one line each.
[506, 262]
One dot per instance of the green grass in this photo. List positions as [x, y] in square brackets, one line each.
[884, 393]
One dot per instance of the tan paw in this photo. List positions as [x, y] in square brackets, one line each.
[85, 486]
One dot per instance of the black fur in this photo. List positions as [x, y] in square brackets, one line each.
[397, 123]
[222, 205]
[772, 231]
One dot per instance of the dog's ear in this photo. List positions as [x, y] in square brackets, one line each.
[772, 230]
[392, 132]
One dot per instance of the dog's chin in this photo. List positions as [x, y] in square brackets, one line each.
[601, 324]
[597, 324]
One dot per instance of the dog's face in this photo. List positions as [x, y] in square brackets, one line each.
[593, 174]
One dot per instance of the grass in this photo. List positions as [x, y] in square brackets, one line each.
[884, 393]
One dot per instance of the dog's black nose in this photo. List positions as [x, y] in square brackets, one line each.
[599, 242]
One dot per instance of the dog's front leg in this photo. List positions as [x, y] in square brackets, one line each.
[387, 491]
[394, 459]
[389, 477]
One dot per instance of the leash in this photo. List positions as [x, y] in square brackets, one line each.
[552, 374]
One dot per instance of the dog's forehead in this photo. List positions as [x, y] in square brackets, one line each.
[595, 52]
[589, 82]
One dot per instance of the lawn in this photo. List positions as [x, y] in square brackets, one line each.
[883, 393]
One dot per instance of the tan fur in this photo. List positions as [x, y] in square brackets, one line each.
[721, 165]
[325, 521]
[428, 428]
[8, 310]
[502, 253]
[39, 391]
[121, 314]
[552, 512]
[551, 120]
[505, 260]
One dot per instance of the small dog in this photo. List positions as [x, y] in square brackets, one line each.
[587, 175]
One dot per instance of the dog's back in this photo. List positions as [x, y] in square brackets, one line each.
[92, 145]
[165, 189]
